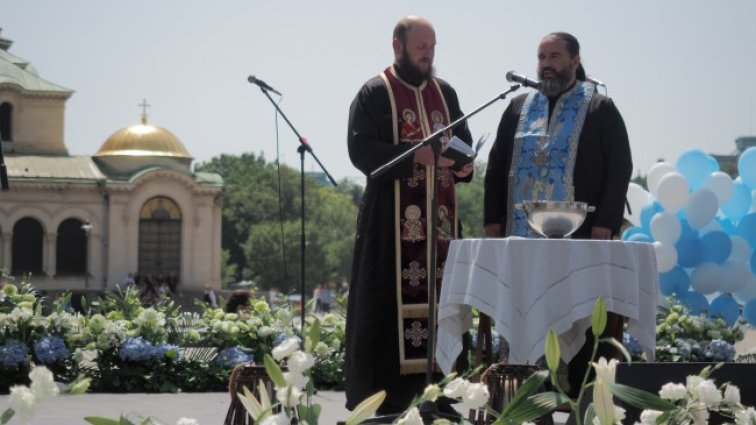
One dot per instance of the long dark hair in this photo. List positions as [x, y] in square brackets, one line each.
[573, 48]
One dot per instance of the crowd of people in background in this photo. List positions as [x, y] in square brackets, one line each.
[153, 288]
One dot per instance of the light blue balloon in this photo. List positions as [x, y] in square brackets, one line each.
[630, 231]
[753, 261]
[749, 312]
[696, 165]
[747, 229]
[747, 167]
[727, 226]
[694, 302]
[726, 307]
[640, 237]
[689, 252]
[675, 281]
[648, 212]
[717, 247]
[739, 203]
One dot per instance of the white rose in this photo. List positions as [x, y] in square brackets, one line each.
[475, 397]
[648, 416]
[285, 349]
[296, 379]
[700, 414]
[708, 393]
[692, 382]
[299, 361]
[43, 384]
[732, 394]
[288, 396]
[455, 388]
[745, 416]
[672, 391]
[411, 418]
[23, 402]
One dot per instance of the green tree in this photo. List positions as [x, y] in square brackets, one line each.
[470, 203]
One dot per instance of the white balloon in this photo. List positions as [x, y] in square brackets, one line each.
[721, 184]
[748, 292]
[666, 257]
[637, 198]
[665, 228]
[735, 276]
[655, 174]
[741, 250]
[672, 192]
[702, 206]
[706, 278]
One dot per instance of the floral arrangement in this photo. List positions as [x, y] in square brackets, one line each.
[684, 337]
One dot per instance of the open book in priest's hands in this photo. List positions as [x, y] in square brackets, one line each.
[461, 152]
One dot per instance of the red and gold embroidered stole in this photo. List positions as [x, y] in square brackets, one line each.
[418, 112]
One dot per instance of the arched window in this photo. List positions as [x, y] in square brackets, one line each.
[159, 238]
[6, 122]
[71, 250]
[27, 247]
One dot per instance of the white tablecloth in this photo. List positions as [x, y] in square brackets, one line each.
[531, 285]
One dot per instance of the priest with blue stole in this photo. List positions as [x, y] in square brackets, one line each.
[563, 142]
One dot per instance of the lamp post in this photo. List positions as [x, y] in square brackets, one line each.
[86, 227]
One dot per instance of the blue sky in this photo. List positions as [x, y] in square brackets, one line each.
[681, 72]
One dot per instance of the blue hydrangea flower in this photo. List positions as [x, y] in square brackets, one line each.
[232, 356]
[13, 354]
[136, 350]
[720, 351]
[164, 350]
[50, 350]
[631, 344]
[283, 337]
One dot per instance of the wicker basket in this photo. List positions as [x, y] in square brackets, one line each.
[249, 375]
[503, 381]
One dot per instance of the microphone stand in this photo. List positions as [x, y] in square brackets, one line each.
[304, 146]
[428, 410]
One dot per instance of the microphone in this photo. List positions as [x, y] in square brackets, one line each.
[525, 81]
[263, 84]
[594, 81]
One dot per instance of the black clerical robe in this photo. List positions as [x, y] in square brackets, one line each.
[372, 346]
[603, 165]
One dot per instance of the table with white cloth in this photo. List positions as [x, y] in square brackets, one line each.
[530, 285]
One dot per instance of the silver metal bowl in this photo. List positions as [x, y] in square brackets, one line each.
[555, 219]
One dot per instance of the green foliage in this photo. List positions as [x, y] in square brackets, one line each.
[261, 230]
[470, 203]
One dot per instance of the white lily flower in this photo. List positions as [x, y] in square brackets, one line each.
[672, 391]
[299, 361]
[411, 418]
[279, 419]
[603, 402]
[23, 402]
[456, 388]
[692, 381]
[700, 414]
[43, 383]
[431, 392]
[475, 397]
[606, 370]
[732, 394]
[745, 416]
[285, 349]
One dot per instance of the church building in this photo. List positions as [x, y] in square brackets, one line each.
[83, 223]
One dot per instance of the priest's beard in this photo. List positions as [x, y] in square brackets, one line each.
[411, 72]
[557, 84]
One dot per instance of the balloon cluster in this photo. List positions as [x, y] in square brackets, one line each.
[703, 227]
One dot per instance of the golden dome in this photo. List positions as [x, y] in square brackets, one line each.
[143, 140]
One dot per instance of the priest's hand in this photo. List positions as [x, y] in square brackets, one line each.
[424, 156]
[465, 171]
[601, 233]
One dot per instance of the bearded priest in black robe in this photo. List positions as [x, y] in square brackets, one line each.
[387, 313]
